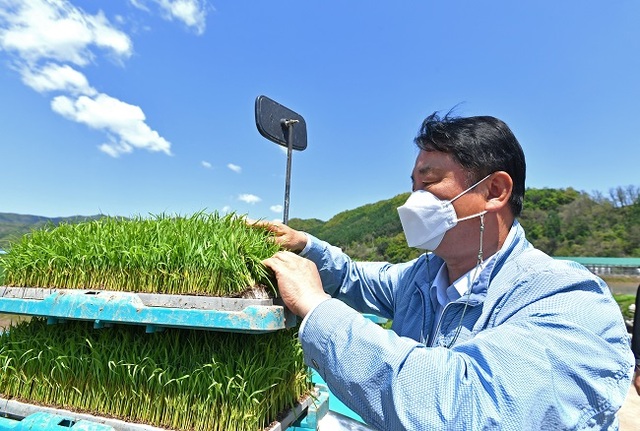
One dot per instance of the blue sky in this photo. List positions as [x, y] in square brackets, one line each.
[127, 107]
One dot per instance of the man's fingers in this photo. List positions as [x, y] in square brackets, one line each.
[262, 223]
[277, 260]
[286, 262]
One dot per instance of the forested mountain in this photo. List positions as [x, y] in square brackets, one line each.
[561, 222]
[571, 223]
[12, 226]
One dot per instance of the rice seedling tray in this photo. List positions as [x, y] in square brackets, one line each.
[155, 311]
[21, 416]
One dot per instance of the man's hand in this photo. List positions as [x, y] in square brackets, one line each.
[636, 381]
[285, 236]
[298, 281]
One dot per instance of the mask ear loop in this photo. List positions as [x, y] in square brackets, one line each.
[465, 191]
[480, 252]
[475, 275]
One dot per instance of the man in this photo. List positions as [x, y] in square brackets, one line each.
[488, 332]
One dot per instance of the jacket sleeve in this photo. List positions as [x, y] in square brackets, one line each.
[368, 287]
[536, 368]
[635, 337]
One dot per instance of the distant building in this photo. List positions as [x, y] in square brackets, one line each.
[608, 265]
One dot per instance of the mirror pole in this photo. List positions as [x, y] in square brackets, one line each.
[287, 187]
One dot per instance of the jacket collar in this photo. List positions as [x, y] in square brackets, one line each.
[515, 243]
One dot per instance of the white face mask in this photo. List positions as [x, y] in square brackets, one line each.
[425, 218]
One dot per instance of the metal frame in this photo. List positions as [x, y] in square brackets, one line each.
[20, 416]
[155, 311]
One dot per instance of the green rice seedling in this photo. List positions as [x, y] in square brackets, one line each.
[176, 379]
[203, 254]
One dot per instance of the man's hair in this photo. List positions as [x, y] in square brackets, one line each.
[482, 145]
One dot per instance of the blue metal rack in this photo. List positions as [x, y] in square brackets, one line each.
[155, 311]
[19, 416]
[48, 422]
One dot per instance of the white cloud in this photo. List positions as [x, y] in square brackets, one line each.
[139, 4]
[115, 149]
[206, 164]
[57, 30]
[235, 168]
[54, 77]
[50, 39]
[192, 13]
[249, 198]
[226, 209]
[276, 208]
[124, 122]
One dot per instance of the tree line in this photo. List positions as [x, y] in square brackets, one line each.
[560, 222]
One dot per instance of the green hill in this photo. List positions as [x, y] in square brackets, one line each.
[12, 226]
[561, 222]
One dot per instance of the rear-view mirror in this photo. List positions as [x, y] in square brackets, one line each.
[275, 122]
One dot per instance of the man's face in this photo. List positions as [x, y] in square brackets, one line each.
[440, 174]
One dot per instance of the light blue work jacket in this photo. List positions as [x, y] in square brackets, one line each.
[542, 344]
